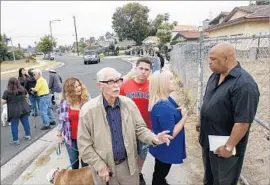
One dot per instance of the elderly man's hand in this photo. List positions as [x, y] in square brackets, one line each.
[104, 174]
[162, 137]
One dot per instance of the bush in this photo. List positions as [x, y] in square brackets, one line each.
[122, 48]
[176, 42]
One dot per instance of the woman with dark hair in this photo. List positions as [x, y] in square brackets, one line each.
[18, 108]
[22, 76]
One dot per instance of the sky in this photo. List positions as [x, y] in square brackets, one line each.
[27, 21]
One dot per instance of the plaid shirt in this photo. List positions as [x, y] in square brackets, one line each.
[64, 123]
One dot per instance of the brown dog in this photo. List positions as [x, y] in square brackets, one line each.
[82, 176]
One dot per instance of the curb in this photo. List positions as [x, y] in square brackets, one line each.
[28, 154]
[61, 64]
[47, 150]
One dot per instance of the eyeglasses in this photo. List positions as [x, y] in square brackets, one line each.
[111, 82]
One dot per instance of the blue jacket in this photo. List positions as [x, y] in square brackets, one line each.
[164, 116]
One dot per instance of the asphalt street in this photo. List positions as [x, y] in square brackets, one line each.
[73, 67]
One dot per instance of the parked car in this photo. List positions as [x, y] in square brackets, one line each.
[52, 57]
[91, 57]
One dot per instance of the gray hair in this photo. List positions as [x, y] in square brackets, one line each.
[37, 71]
[101, 76]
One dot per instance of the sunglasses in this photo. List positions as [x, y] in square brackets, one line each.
[111, 82]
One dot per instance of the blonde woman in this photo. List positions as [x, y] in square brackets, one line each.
[166, 115]
[74, 95]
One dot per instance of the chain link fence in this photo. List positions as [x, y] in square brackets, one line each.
[189, 61]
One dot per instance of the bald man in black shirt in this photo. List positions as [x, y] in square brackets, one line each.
[229, 107]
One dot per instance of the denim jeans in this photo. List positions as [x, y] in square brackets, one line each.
[46, 111]
[34, 104]
[73, 154]
[15, 123]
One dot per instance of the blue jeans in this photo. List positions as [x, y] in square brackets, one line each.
[45, 108]
[142, 150]
[34, 104]
[73, 154]
[15, 123]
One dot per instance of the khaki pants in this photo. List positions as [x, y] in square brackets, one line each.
[122, 176]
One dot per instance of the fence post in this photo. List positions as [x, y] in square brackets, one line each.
[200, 75]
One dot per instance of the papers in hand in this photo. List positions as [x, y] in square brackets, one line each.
[216, 141]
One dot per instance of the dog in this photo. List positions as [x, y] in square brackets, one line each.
[82, 176]
[4, 116]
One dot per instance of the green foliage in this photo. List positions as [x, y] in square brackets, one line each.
[45, 44]
[164, 33]
[131, 22]
[261, 2]
[176, 42]
[3, 48]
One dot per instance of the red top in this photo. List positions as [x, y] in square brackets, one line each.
[74, 119]
[139, 93]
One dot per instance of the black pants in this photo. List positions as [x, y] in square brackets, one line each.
[219, 170]
[160, 173]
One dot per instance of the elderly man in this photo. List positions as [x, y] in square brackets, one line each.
[109, 126]
[229, 107]
[44, 100]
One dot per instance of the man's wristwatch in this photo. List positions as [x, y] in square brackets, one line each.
[229, 149]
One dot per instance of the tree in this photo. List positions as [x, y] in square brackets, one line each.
[262, 2]
[108, 35]
[92, 39]
[164, 33]
[166, 17]
[101, 38]
[3, 47]
[158, 21]
[131, 22]
[46, 45]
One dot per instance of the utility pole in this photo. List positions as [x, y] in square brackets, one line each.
[12, 49]
[76, 35]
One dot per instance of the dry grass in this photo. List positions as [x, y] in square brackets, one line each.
[10, 65]
[43, 67]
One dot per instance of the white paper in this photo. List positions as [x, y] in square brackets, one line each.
[216, 141]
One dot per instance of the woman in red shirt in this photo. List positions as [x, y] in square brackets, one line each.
[73, 97]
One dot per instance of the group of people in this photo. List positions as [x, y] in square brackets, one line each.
[113, 132]
[30, 93]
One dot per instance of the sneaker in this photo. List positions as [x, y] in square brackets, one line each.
[142, 181]
[52, 123]
[28, 138]
[46, 127]
[16, 143]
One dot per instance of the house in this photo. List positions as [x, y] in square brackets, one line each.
[244, 20]
[151, 40]
[182, 28]
[187, 36]
[185, 33]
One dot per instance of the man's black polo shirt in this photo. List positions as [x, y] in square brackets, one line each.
[235, 100]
